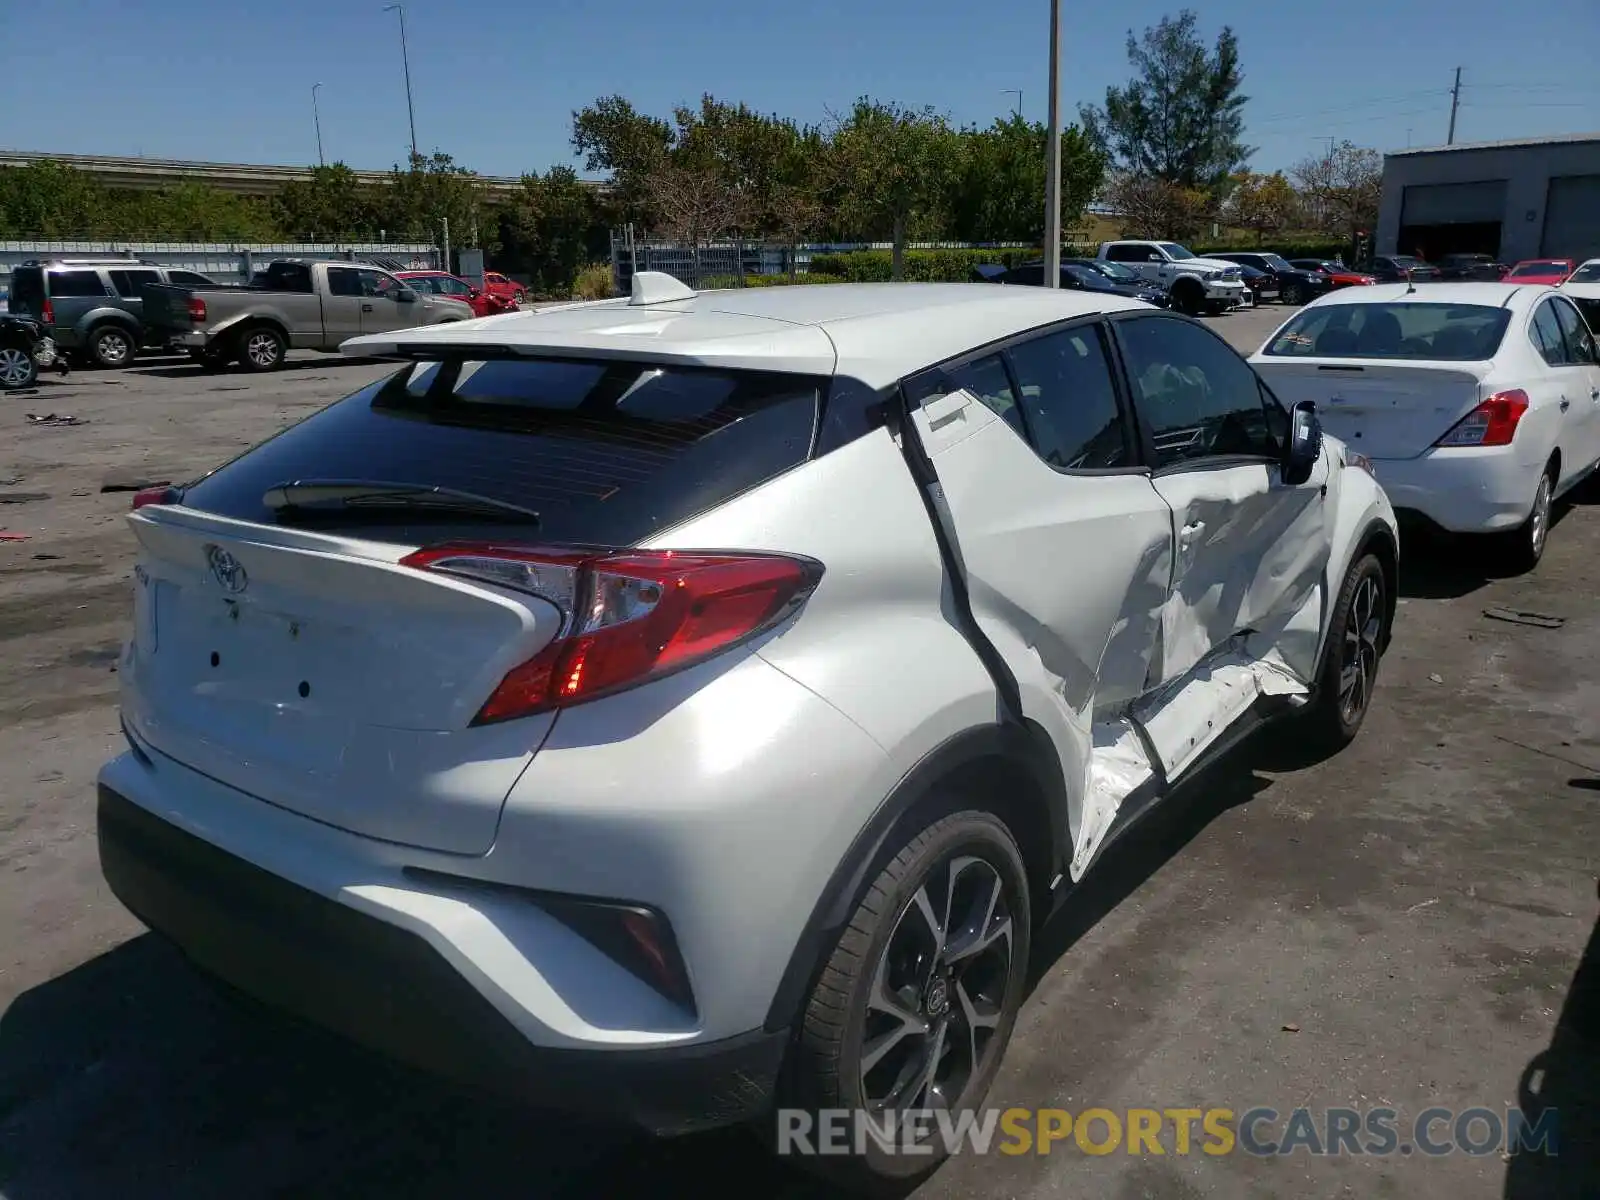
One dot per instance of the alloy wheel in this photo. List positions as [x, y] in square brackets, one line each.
[1358, 664]
[938, 990]
[112, 348]
[262, 349]
[15, 367]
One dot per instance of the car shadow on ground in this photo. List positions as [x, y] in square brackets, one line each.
[131, 1076]
[1435, 565]
[1565, 1077]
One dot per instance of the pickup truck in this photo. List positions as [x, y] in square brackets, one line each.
[294, 305]
[1194, 284]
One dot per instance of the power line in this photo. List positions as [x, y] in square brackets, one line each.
[1342, 108]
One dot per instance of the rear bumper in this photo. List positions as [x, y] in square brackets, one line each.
[1462, 490]
[389, 989]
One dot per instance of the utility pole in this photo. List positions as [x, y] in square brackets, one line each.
[1455, 103]
[1017, 92]
[405, 59]
[446, 221]
[1052, 172]
[316, 116]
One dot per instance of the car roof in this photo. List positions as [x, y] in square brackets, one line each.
[874, 332]
[1494, 295]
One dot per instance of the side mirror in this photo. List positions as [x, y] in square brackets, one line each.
[405, 295]
[1305, 444]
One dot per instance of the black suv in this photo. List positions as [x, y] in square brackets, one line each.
[1295, 285]
[1480, 268]
[1398, 268]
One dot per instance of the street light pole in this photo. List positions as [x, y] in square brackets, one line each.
[405, 59]
[1052, 174]
[1017, 92]
[316, 115]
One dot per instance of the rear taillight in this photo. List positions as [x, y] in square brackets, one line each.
[161, 493]
[630, 615]
[47, 313]
[197, 310]
[1492, 423]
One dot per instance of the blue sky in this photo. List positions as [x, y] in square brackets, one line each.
[495, 81]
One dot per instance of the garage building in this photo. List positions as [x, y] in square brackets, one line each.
[1529, 198]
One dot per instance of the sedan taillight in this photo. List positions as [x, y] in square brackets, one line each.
[630, 615]
[1492, 423]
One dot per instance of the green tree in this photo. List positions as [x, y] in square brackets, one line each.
[1181, 117]
[892, 167]
[552, 228]
[615, 137]
[333, 203]
[434, 190]
[998, 194]
[1263, 204]
[47, 199]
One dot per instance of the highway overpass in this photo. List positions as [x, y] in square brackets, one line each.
[249, 179]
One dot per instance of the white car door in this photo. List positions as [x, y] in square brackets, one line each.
[1066, 547]
[1251, 551]
[1580, 390]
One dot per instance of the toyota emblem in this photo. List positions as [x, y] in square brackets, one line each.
[225, 567]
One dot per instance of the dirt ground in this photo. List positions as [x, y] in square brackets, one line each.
[1411, 923]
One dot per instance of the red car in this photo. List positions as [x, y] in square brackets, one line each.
[497, 284]
[441, 283]
[1553, 271]
[1341, 275]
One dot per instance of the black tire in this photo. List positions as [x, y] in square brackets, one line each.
[111, 346]
[261, 348]
[1293, 294]
[17, 368]
[1188, 297]
[1524, 546]
[1330, 722]
[965, 857]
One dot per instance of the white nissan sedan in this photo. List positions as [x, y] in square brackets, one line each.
[1478, 403]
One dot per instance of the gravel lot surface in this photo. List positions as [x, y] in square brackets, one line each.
[1412, 923]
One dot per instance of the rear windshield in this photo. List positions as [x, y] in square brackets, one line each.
[1588, 273]
[1450, 332]
[1538, 268]
[607, 453]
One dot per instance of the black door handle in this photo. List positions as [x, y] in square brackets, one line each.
[366, 308]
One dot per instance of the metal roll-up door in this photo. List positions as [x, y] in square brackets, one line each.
[1455, 203]
[1572, 218]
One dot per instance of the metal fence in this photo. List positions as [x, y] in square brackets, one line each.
[733, 260]
[226, 262]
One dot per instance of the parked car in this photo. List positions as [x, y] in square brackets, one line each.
[24, 348]
[1196, 285]
[93, 308]
[1338, 274]
[1259, 286]
[1122, 276]
[1401, 268]
[1291, 284]
[500, 286]
[1549, 271]
[1076, 277]
[1467, 268]
[441, 283]
[1478, 404]
[794, 658]
[1587, 272]
[301, 305]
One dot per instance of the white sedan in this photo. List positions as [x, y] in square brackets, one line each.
[1478, 403]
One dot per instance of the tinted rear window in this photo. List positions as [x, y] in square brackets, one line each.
[27, 288]
[1588, 273]
[606, 453]
[76, 283]
[1452, 332]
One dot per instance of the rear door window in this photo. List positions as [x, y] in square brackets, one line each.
[606, 452]
[76, 283]
[128, 283]
[1070, 402]
[1575, 334]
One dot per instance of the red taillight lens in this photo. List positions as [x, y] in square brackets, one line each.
[161, 493]
[47, 313]
[631, 615]
[1492, 423]
[197, 310]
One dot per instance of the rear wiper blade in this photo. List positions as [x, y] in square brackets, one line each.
[347, 496]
